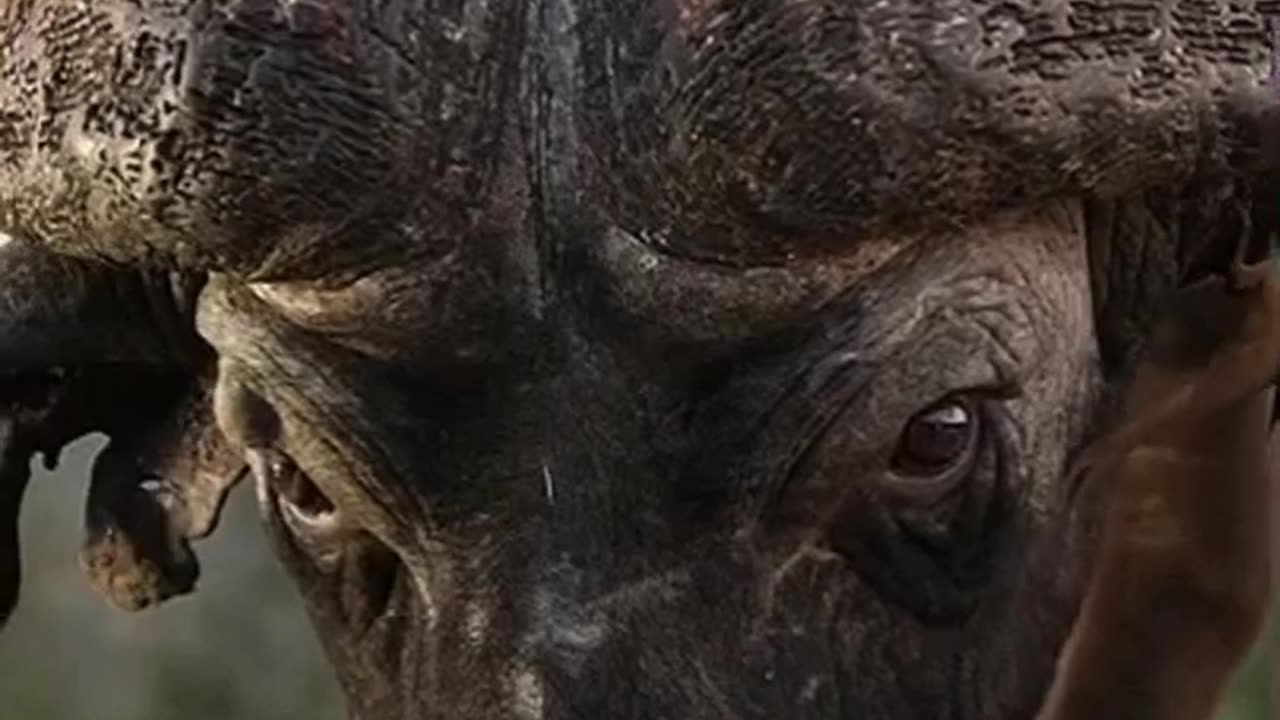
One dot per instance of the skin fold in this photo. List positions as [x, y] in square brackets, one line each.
[634, 359]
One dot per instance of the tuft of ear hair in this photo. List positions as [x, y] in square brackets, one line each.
[1180, 586]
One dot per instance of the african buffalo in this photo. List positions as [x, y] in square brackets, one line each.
[626, 359]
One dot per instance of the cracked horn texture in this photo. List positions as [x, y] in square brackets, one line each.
[274, 142]
[847, 118]
[261, 137]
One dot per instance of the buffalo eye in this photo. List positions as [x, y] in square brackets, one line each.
[926, 537]
[937, 445]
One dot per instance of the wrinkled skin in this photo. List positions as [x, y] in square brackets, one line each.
[575, 348]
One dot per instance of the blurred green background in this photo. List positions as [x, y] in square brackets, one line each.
[239, 649]
[1248, 700]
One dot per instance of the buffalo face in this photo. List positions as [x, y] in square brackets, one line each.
[631, 359]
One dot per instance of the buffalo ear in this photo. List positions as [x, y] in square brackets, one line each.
[34, 418]
[15, 473]
[153, 490]
[1180, 587]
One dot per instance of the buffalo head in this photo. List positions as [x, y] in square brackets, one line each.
[616, 359]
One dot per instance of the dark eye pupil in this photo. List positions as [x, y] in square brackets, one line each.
[935, 438]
